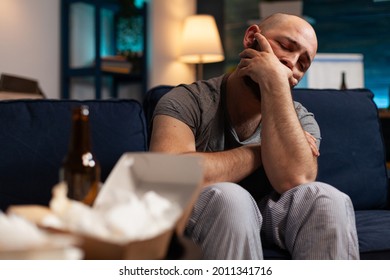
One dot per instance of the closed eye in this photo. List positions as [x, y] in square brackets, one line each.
[302, 66]
[303, 63]
[288, 44]
[283, 46]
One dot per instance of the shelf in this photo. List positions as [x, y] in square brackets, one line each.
[109, 4]
[91, 71]
[384, 113]
[96, 72]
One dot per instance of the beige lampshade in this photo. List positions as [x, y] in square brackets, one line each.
[201, 42]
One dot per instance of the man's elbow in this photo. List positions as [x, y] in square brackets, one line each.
[295, 180]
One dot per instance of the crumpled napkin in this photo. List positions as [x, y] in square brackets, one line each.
[22, 239]
[131, 217]
[18, 234]
[144, 196]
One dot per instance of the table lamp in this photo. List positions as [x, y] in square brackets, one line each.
[201, 42]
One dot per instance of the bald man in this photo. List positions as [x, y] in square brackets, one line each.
[259, 151]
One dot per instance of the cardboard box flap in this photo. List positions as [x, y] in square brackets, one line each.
[174, 177]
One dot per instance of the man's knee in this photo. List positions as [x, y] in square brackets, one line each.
[326, 199]
[226, 223]
[324, 190]
[225, 204]
[225, 196]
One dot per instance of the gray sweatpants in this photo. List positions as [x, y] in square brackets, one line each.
[311, 221]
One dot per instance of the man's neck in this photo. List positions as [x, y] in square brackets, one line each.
[243, 105]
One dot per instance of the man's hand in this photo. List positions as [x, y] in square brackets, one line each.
[263, 66]
[312, 142]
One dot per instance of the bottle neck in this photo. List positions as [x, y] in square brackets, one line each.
[343, 85]
[80, 139]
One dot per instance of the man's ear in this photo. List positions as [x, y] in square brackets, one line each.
[250, 35]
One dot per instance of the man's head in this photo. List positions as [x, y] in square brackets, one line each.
[292, 39]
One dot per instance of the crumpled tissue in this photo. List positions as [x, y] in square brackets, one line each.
[21, 239]
[134, 218]
[127, 209]
[18, 233]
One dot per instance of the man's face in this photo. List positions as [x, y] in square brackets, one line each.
[295, 45]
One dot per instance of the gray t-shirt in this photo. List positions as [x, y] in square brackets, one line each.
[201, 106]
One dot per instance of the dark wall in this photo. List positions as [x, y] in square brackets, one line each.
[359, 26]
[355, 26]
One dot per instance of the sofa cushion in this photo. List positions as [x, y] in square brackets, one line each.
[373, 228]
[352, 150]
[34, 137]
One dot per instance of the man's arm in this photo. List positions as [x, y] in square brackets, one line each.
[288, 155]
[170, 135]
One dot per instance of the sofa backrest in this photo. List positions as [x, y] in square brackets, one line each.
[352, 151]
[34, 137]
[353, 156]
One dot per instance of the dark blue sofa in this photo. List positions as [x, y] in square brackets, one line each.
[34, 139]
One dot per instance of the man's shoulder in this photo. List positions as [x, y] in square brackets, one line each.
[195, 104]
[204, 90]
